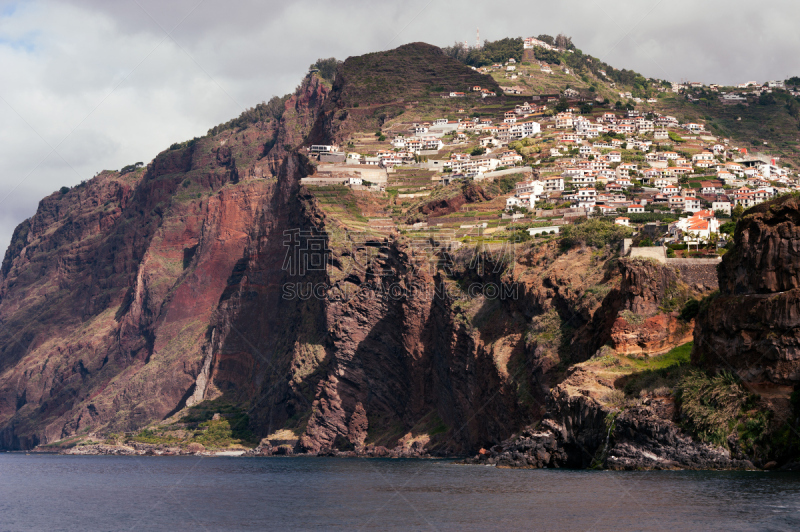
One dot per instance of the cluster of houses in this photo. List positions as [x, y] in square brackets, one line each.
[748, 88]
[592, 175]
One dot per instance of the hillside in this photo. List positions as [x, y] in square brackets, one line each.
[767, 125]
[237, 293]
[371, 89]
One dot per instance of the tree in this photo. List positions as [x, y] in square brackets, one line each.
[737, 212]
[562, 41]
[457, 51]
[265, 111]
[562, 105]
[793, 108]
[767, 99]
[547, 38]
[477, 151]
[586, 108]
[327, 67]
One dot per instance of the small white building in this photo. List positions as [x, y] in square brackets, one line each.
[724, 206]
[622, 220]
[550, 229]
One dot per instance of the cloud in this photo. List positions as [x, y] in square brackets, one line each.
[110, 83]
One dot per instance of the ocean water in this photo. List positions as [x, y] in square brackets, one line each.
[51, 492]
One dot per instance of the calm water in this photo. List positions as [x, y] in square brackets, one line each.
[49, 492]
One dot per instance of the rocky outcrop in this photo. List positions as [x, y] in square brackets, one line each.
[469, 193]
[641, 317]
[753, 326]
[580, 431]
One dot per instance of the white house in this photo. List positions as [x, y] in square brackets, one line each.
[724, 206]
[691, 204]
[698, 227]
[553, 184]
[622, 220]
[551, 229]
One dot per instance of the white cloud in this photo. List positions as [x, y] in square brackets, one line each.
[103, 83]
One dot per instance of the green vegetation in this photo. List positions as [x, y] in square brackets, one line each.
[327, 68]
[491, 52]
[690, 310]
[674, 137]
[660, 373]
[215, 424]
[595, 232]
[550, 332]
[712, 405]
[263, 112]
[632, 318]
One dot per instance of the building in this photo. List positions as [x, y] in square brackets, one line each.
[550, 229]
[724, 206]
[323, 148]
[553, 184]
[696, 228]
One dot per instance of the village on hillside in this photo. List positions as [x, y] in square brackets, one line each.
[558, 157]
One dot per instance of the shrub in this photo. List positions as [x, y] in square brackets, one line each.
[615, 398]
[596, 233]
[64, 190]
[632, 318]
[690, 310]
[710, 405]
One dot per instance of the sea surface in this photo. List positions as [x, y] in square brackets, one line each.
[52, 492]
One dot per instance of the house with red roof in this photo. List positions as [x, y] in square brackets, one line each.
[696, 228]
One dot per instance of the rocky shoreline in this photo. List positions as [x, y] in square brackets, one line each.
[265, 449]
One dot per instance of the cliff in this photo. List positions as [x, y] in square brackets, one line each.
[211, 290]
[131, 298]
[642, 316]
[752, 326]
[108, 291]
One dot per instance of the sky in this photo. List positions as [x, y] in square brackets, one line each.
[87, 85]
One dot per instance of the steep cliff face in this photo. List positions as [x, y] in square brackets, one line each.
[581, 430]
[132, 296]
[107, 293]
[641, 316]
[752, 327]
[212, 275]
